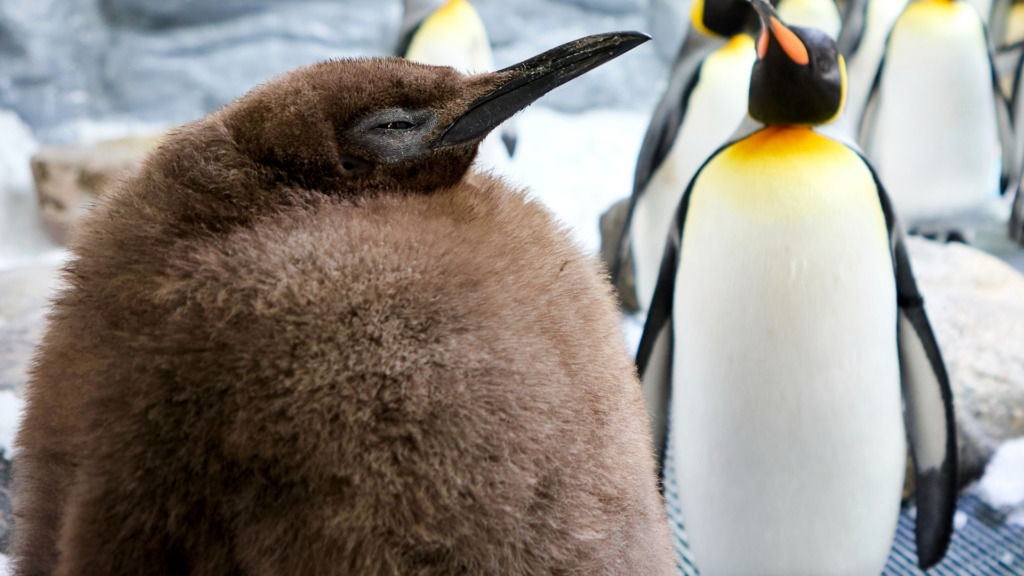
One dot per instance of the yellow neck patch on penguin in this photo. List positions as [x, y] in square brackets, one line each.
[785, 173]
[929, 15]
[697, 18]
[739, 46]
[454, 35]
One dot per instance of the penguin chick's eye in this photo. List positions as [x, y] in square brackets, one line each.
[397, 125]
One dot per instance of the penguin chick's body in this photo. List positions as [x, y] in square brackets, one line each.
[937, 128]
[303, 340]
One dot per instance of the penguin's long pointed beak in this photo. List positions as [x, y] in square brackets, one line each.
[772, 27]
[521, 84]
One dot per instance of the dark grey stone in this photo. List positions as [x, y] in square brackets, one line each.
[169, 62]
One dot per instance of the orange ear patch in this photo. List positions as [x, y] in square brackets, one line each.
[791, 45]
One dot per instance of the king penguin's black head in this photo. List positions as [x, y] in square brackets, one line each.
[799, 76]
[724, 18]
[354, 126]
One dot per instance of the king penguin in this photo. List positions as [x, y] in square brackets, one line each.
[306, 339]
[937, 126]
[785, 321]
[866, 25]
[704, 103]
[453, 34]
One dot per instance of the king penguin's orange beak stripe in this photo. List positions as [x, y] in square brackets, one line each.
[762, 42]
[791, 45]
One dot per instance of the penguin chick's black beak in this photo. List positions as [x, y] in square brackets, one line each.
[799, 76]
[519, 85]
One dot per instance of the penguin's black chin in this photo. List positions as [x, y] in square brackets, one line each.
[517, 86]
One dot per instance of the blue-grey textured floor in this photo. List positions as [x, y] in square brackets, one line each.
[983, 546]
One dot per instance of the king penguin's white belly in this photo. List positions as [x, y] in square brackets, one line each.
[786, 407]
[716, 107]
[935, 142]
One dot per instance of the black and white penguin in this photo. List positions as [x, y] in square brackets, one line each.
[784, 324]
[307, 339]
[705, 102]
[937, 126]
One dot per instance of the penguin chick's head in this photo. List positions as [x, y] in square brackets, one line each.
[354, 126]
[720, 17]
[799, 76]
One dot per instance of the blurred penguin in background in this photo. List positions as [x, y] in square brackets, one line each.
[821, 14]
[936, 125]
[866, 25]
[307, 339]
[451, 33]
[1006, 26]
[984, 9]
[1006, 32]
[705, 102]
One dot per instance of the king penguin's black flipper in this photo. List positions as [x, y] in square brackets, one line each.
[866, 121]
[928, 404]
[852, 32]
[1004, 124]
[654, 355]
[664, 127]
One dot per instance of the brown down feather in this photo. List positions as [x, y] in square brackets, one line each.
[260, 366]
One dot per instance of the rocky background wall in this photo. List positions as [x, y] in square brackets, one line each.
[170, 61]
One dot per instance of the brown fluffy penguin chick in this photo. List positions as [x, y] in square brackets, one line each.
[303, 340]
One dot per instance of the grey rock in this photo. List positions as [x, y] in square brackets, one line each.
[976, 306]
[171, 62]
[6, 511]
[68, 179]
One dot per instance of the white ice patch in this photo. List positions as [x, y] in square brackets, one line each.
[10, 414]
[960, 520]
[17, 144]
[1002, 486]
[578, 164]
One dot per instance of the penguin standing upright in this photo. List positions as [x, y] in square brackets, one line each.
[785, 320]
[305, 339]
[451, 33]
[1006, 26]
[937, 127]
[1008, 30]
[821, 14]
[705, 101]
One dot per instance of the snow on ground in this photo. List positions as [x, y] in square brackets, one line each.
[1002, 486]
[10, 413]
